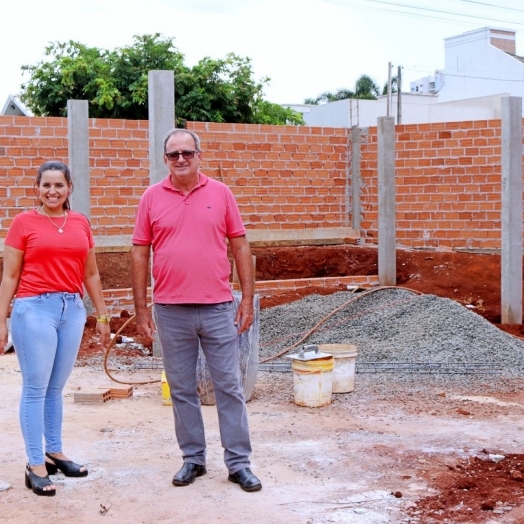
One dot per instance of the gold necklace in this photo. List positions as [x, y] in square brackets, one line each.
[60, 228]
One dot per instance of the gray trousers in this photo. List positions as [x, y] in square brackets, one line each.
[181, 329]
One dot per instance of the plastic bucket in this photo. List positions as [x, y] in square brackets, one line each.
[313, 381]
[344, 368]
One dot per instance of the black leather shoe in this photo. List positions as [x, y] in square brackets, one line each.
[188, 473]
[246, 479]
[38, 484]
[67, 467]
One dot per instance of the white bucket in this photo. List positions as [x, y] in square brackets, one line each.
[313, 381]
[344, 368]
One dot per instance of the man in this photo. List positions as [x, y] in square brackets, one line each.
[186, 220]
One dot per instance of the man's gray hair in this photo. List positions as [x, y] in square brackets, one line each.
[177, 131]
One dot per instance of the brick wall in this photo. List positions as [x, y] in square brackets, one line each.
[117, 300]
[119, 167]
[448, 188]
[284, 177]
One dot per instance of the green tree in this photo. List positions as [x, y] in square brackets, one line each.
[327, 96]
[394, 86]
[224, 91]
[76, 72]
[365, 87]
[129, 68]
[269, 113]
[116, 84]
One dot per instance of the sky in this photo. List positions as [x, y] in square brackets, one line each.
[305, 47]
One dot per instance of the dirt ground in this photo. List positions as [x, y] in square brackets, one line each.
[471, 279]
[415, 451]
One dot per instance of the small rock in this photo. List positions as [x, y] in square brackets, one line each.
[4, 486]
[515, 475]
[488, 505]
[496, 458]
[461, 411]
[465, 484]
[397, 494]
[106, 429]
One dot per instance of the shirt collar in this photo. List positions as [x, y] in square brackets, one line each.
[202, 181]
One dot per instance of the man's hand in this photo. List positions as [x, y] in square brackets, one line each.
[144, 324]
[245, 315]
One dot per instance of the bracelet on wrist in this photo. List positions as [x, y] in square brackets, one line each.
[103, 318]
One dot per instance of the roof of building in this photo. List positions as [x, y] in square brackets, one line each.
[519, 58]
[14, 107]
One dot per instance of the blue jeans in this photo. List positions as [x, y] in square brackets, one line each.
[181, 329]
[46, 330]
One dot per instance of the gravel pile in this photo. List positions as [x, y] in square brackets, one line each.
[400, 336]
[394, 325]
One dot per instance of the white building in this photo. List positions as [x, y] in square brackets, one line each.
[477, 64]
[481, 67]
[429, 85]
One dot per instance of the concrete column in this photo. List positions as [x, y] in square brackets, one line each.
[356, 179]
[78, 140]
[161, 96]
[511, 259]
[387, 263]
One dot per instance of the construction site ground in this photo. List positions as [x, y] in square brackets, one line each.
[411, 451]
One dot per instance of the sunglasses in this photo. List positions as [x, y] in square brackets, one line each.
[187, 155]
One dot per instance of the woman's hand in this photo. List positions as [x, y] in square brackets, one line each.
[104, 333]
[4, 336]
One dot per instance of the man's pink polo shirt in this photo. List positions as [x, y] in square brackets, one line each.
[188, 236]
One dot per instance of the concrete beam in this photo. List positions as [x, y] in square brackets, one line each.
[258, 237]
[302, 237]
[161, 100]
[387, 264]
[161, 97]
[511, 255]
[78, 140]
[356, 179]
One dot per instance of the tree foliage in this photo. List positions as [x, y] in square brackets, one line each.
[394, 86]
[116, 84]
[365, 87]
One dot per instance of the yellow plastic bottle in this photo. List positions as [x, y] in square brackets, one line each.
[166, 392]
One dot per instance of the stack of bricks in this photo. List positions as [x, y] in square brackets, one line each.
[103, 395]
[121, 392]
[121, 299]
[267, 287]
[92, 397]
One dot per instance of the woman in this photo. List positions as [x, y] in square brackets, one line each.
[49, 257]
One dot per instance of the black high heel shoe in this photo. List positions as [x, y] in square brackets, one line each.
[37, 483]
[67, 467]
